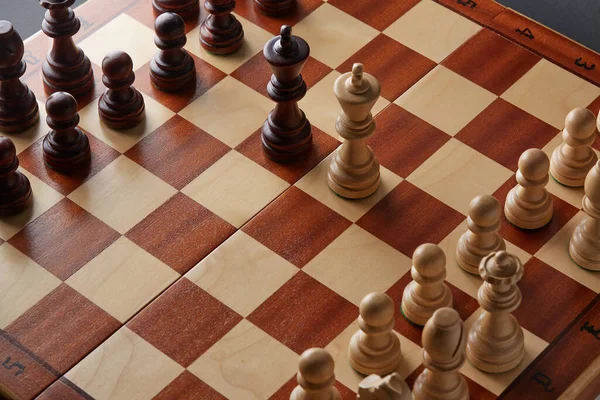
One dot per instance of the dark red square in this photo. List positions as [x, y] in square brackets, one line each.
[293, 226]
[246, 9]
[503, 132]
[187, 386]
[184, 322]
[395, 66]
[408, 217]
[304, 313]
[378, 15]
[64, 238]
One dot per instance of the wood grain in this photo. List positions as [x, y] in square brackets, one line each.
[187, 386]
[63, 389]
[284, 392]
[246, 9]
[379, 17]
[483, 12]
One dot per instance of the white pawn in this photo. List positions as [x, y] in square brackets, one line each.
[529, 205]
[496, 341]
[585, 242]
[374, 348]
[428, 291]
[443, 340]
[315, 377]
[572, 159]
[482, 237]
[392, 387]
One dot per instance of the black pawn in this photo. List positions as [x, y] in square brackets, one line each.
[15, 189]
[184, 8]
[221, 32]
[18, 108]
[286, 134]
[121, 106]
[66, 148]
[275, 8]
[172, 68]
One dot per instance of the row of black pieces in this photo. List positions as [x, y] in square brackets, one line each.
[189, 8]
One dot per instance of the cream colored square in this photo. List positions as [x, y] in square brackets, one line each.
[466, 282]
[44, 197]
[556, 254]
[357, 263]
[242, 273]
[322, 108]
[496, 383]
[246, 364]
[229, 111]
[432, 30]
[235, 188]
[456, 173]
[315, 184]
[254, 41]
[23, 140]
[122, 279]
[122, 194]
[23, 283]
[338, 348]
[124, 367]
[123, 140]
[446, 100]
[122, 33]
[549, 92]
[333, 35]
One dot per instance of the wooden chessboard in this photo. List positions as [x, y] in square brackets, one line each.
[186, 265]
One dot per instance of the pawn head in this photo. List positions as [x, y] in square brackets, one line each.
[534, 164]
[580, 123]
[169, 26]
[117, 65]
[485, 210]
[377, 309]
[8, 152]
[61, 106]
[429, 260]
[12, 43]
[443, 336]
[316, 366]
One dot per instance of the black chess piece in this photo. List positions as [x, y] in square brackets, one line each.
[221, 32]
[66, 148]
[184, 8]
[121, 106]
[275, 8]
[66, 68]
[15, 189]
[18, 108]
[172, 68]
[286, 133]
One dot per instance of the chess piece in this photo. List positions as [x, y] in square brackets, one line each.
[286, 134]
[443, 340]
[482, 236]
[428, 291]
[529, 205]
[275, 8]
[585, 242]
[18, 108]
[315, 377]
[66, 68]
[184, 8]
[391, 387]
[495, 341]
[354, 170]
[15, 190]
[121, 106]
[66, 148]
[374, 348]
[221, 32]
[172, 68]
[572, 159]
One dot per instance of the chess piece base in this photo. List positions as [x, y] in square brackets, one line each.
[570, 172]
[169, 79]
[530, 215]
[287, 145]
[70, 159]
[300, 394]
[77, 80]
[19, 114]
[423, 390]
[122, 116]
[185, 11]
[353, 182]
[417, 309]
[583, 249]
[468, 256]
[221, 41]
[275, 8]
[369, 361]
[18, 199]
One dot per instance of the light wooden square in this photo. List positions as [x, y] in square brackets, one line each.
[122, 279]
[124, 367]
[556, 254]
[242, 273]
[235, 188]
[456, 173]
[23, 140]
[22, 285]
[229, 111]
[357, 263]
[44, 197]
[254, 41]
[315, 184]
[123, 140]
[446, 100]
[333, 35]
[322, 108]
[246, 364]
[496, 383]
[549, 92]
[122, 33]
[432, 30]
[122, 194]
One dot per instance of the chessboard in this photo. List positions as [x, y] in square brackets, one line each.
[185, 264]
